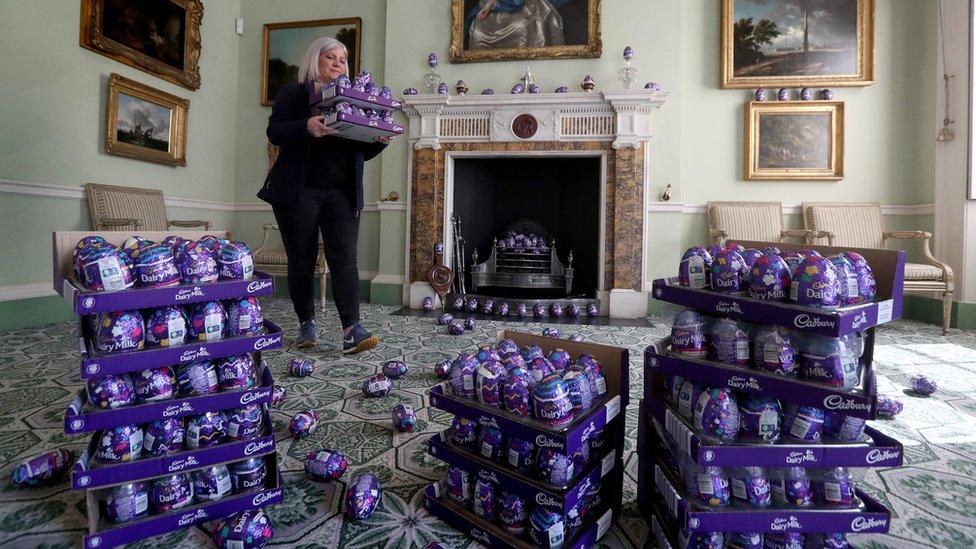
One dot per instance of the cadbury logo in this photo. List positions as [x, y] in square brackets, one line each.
[781, 524]
[180, 464]
[544, 499]
[258, 285]
[860, 524]
[589, 430]
[248, 398]
[266, 342]
[187, 293]
[489, 476]
[801, 457]
[806, 321]
[728, 307]
[838, 402]
[191, 518]
[488, 421]
[194, 354]
[739, 382]
[181, 408]
[859, 320]
[542, 441]
[480, 535]
[264, 497]
[878, 455]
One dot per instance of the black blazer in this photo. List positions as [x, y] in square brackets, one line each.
[287, 129]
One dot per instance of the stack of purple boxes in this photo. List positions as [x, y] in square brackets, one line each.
[358, 108]
[742, 443]
[181, 433]
[535, 449]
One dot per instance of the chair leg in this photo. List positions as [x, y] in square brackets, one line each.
[946, 311]
[324, 280]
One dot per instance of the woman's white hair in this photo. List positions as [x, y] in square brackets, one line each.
[309, 69]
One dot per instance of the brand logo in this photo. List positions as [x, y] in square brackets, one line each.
[860, 524]
[806, 456]
[89, 302]
[177, 409]
[194, 354]
[194, 517]
[542, 441]
[859, 320]
[489, 476]
[709, 455]
[180, 464]
[93, 368]
[258, 285]
[266, 342]
[546, 500]
[77, 424]
[84, 480]
[264, 497]
[480, 535]
[806, 321]
[837, 402]
[587, 432]
[740, 382]
[694, 523]
[488, 421]
[187, 293]
[248, 398]
[728, 307]
[94, 542]
[781, 524]
[878, 455]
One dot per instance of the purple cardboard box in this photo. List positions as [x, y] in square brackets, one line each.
[331, 95]
[861, 402]
[88, 473]
[79, 418]
[491, 535]
[102, 534]
[359, 128]
[95, 365]
[530, 489]
[86, 302]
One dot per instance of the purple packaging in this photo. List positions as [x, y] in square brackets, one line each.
[197, 378]
[842, 427]
[377, 386]
[815, 284]
[236, 372]
[835, 488]
[547, 527]
[521, 454]
[688, 334]
[459, 486]
[362, 497]
[550, 331]
[578, 388]
[702, 540]
[468, 324]
[503, 308]
[119, 332]
[249, 529]
[539, 368]
[849, 293]
[539, 310]
[729, 343]
[245, 423]
[120, 444]
[103, 268]
[717, 413]
[592, 309]
[455, 328]
[208, 321]
[695, 268]
[791, 486]
[709, 485]
[443, 369]
[750, 486]
[730, 275]
[173, 242]
[750, 255]
[784, 540]
[126, 502]
[463, 371]
[581, 457]
[404, 418]
[512, 513]
[672, 386]
[520, 310]
[457, 304]
[793, 260]
[774, 351]
[532, 352]
[304, 423]
[769, 278]
[464, 432]
[866, 284]
[206, 429]
[517, 391]
[553, 468]
[559, 359]
[759, 418]
[278, 394]
[244, 317]
[483, 502]
[550, 399]
[171, 493]
[248, 474]
[489, 380]
[803, 422]
[592, 497]
[153, 384]
[491, 443]
[235, 261]
[555, 310]
[197, 265]
[888, 407]
[445, 318]
[428, 304]
[487, 306]
[572, 310]
[325, 465]
[395, 369]
[923, 384]
[488, 353]
[507, 347]
[836, 540]
[111, 391]
[828, 361]
[745, 540]
[166, 327]
[155, 267]
[512, 361]
[301, 367]
[42, 469]
[688, 394]
[472, 305]
[211, 483]
[164, 436]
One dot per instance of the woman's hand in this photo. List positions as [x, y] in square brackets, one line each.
[385, 139]
[317, 128]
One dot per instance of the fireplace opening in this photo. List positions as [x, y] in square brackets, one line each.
[539, 200]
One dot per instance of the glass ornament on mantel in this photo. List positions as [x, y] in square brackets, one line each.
[627, 75]
[432, 80]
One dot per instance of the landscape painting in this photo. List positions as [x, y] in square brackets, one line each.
[791, 43]
[794, 140]
[142, 123]
[145, 123]
[285, 45]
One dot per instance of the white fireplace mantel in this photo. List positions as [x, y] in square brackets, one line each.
[622, 117]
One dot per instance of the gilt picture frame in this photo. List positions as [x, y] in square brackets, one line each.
[794, 141]
[505, 30]
[144, 123]
[795, 43]
[161, 37]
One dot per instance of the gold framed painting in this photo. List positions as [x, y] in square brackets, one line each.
[502, 30]
[161, 37]
[794, 141]
[145, 123]
[795, 43]
[285, 45]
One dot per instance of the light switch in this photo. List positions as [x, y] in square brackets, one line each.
[239, 27]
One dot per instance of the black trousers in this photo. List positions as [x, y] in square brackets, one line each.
[330, 211]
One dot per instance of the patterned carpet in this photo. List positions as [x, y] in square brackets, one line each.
[933, 498]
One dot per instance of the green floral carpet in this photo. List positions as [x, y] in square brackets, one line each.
[932, 498]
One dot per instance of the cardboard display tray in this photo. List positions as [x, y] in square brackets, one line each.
[560, 500]
[664, 538]
[88, 473]
[103, 534]
[331, 95]
[860, 402]
[493, 536]
[94, 365]
[81, 417]
[360, 128]
[85, 302]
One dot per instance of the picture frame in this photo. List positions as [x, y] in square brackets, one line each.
[578, 35]
[794, 141]
[775, 43]
[144, 123]
[284, 45]
[161, 38]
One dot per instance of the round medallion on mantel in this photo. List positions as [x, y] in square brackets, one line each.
[525, 126]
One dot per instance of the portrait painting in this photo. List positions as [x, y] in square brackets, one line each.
[145, 123]
[285, 45]
[794, 140]
[793, 43]
[161, 37]
[497, 30]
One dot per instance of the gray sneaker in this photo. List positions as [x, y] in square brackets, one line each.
[306, 335]
[358, 340]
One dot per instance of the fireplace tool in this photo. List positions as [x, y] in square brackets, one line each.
[439, 275]
[458, 260]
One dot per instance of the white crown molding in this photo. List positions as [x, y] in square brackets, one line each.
[26, 291]
[790, 209]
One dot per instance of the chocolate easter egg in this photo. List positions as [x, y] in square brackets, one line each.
[828, 361]
[688, 394]
[206, 429]
[730, 275]
[759, 418]
[847, 280]
[517, 391]
[395, 369]
[404, 418]
[443, 369]
[455, 328]
[126, 502]
[362, 497]
[428, 304]
[488, 306]
[489, 379]
[688, 334]
[750, 255]
[491, 444]
[236, 372]
[503, 308]
[164, 436]
[554, 468]
[842, 427]
[464, 432]
[803, 422]
[717, 413]
[751, 486]
[463, 371]
[484, 499]
[42, 469]
[211, 483]
[244, 317]
[459, 487]
[325, 465]
[249, 529]
[377, 386]
[208, 321]
[120, 444]
[468, 324]
[512, 513]
[695, 268]
[248, 474]
[304, 423]
[834, 487]
[531, 352]
[196, 264]
[791, 486]
[301, 367]
[550, 399]
[506, 347]
[592, 309]
[197, 378]
[488, 353]
[171, 493]
[155, 267]
[923, 384]
[769, 278]
[111, 391]
[559, 359]
[815, 284]
[774, 351]
[278, 394]
[166, 327]
[520, 310]
[103, 267]
[866, 284]
[445, 318]
[729, 342]
[235, 262]
[547, 527]
[889, 407]
[245, 423]
[521, 454]
[710, 486]
[572, 310]
[119, 332]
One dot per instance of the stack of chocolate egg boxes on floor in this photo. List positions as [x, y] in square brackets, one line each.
[176, 392]
[357, 107]
[535, 448]
[752, 429]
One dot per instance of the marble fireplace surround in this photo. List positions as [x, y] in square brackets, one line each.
[613, 126]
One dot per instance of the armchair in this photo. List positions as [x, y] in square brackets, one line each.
[756, 221]
[118, 208]
[275, 262]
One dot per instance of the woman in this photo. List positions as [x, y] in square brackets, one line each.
[515, 24]
[317, 185]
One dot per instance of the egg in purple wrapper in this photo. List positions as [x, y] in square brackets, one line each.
[244, 317]
[591, 362]
[164, 436]
[248, 474]
[512, 513]
[539, 310]
[556, 310]
[834, 487]
[236, 372]
[301, 367]
[581, 457]
[197, 378]
[702, 540]
[428, 304]
[672, 385]
[550, 399]
[208, 321]
[206, 429]
[325, 465]
[120, 444]
[42, 469]
[506, 347]
[171, 493]
[730, 275]
[463, 372]
[539, 368]
[745, 540]
[520, 455]
[103, 268]
[304, 423]
[576, 338]
[395, 369]
[793, 260]
[729, 342]
[491, 444]
[550, 331]
[278, 394]
[155, 267]
[445, 318]
[923, 384]
[443, 369]
[514, 360]
[211, 243]
[559, 359]
[472, 305]
[126, 502]
[410, 91]
[484, 500]
[521, 310]
[377, 386]
[488, 353]
[469, 324]
[248, 529]
[784, 540]
[464, 432]
[815, 283]
[888, 407]
[750, 486]
[598, 382]
[455, 328]
[211, 483]
[517, 391]
[750, 255]
[489, 379]
[459, 487]
[457, 303]
[487, 306]
[849, 292]
[791, 486]
[842, 427]
[866, 284]
[572, 310]
[803, 422]
[119, 332]
[530, 352]
[503, 308]
[828, 361]
[111, 391]
[717, 413]
[694, 271]
[554, 468]
[710, 486]
[688, 334]
[774, 351]
[547, 527]
[769, 278]
[166, 327]
[759, 418]
[196, 264]
[245, 423]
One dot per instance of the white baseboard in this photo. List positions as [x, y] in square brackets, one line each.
[26, 291]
